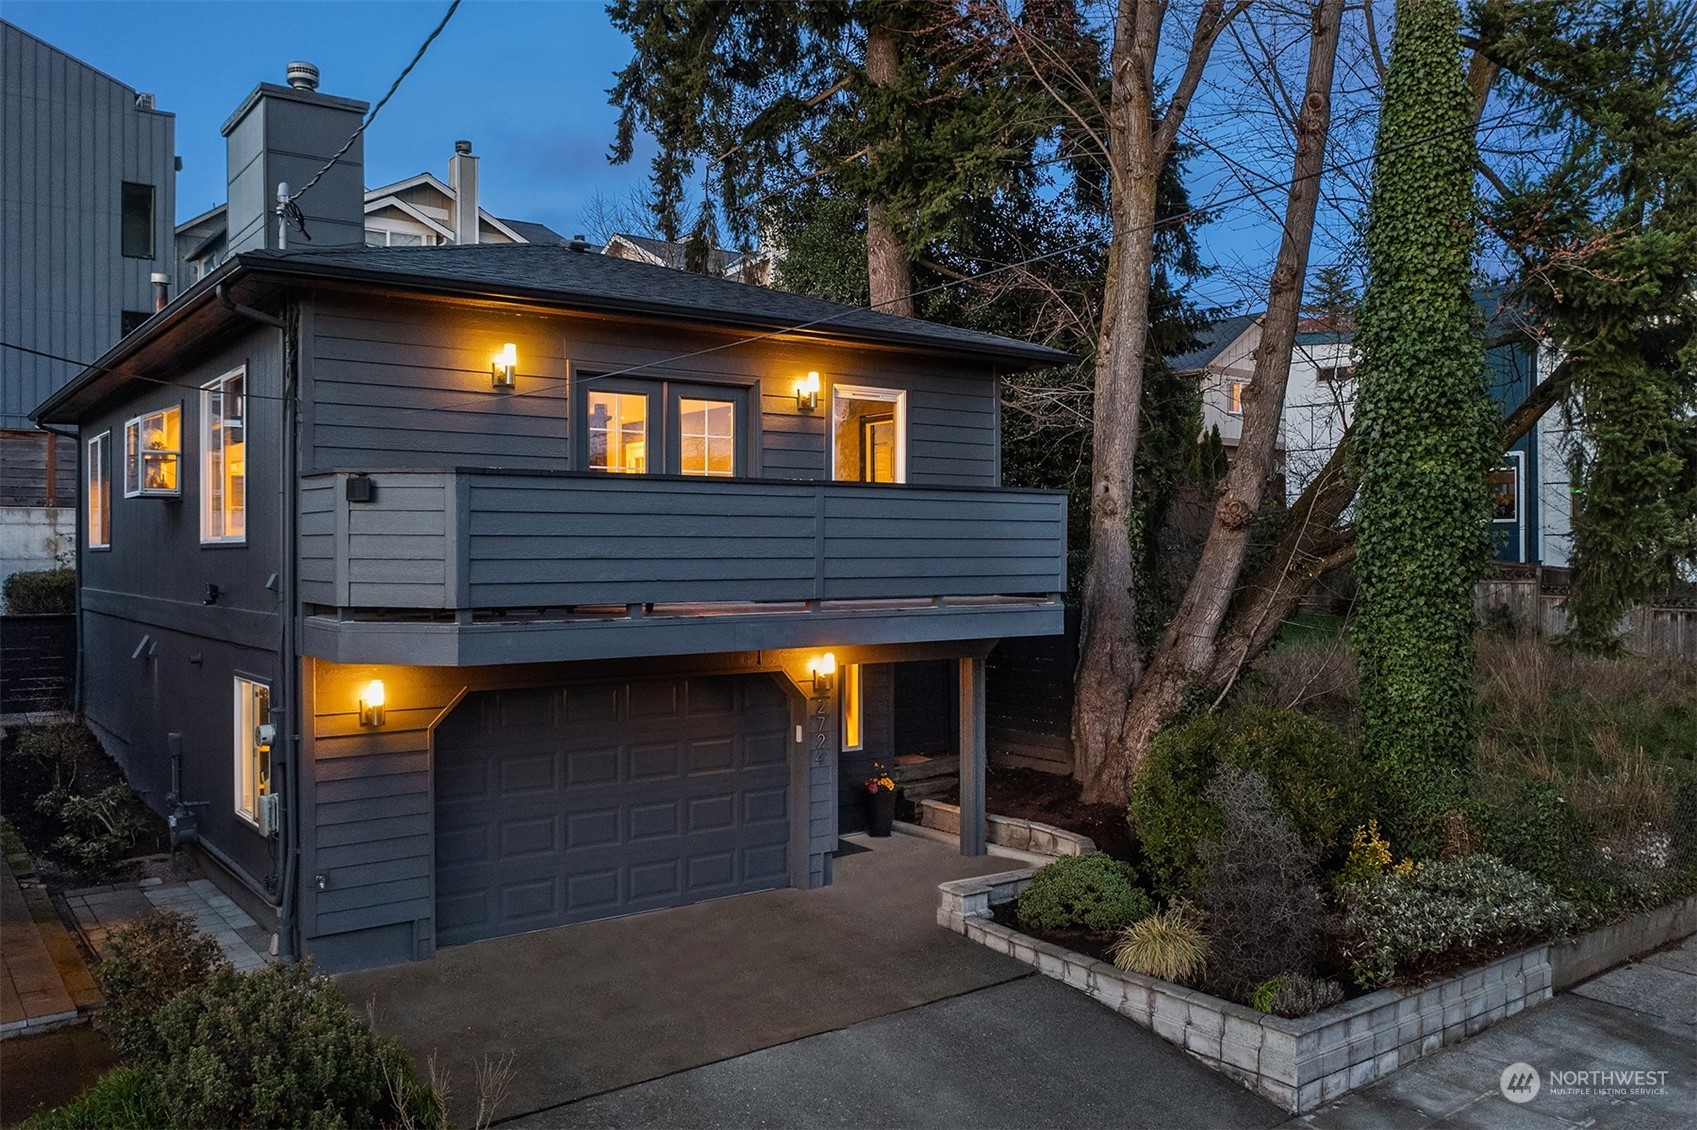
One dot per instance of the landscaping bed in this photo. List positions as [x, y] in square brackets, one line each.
[1052, 798]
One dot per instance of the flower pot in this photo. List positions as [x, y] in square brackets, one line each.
[881, 807]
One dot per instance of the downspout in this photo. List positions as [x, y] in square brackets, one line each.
[283, 717]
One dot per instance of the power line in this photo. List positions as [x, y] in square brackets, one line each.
[371, 117]
[547, 383]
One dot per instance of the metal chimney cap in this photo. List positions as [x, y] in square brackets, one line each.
[463, 148]
[303, 75]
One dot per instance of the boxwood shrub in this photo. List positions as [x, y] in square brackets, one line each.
[1314, 773]
[42, 591]
[1083, 892]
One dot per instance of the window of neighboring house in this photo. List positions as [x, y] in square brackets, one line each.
[223, 459]
[153, 446]
[1234, 392]
[129, 321]
[99, 491]
[253, 756]
[868, 435]
[1503, 482]
[375, 238]
[137, 224]
[854, 714]
[1332, 373]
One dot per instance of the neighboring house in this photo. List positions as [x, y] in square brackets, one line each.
[754, 267]
[421, 211]
[469, 590]
[1529, 488]
[88, 179]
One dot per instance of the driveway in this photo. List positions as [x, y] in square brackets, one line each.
[1027, 1053]
[591, 1008]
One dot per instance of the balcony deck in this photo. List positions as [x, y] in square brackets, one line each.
[473, 566]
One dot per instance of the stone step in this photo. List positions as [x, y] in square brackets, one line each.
[929, 769]
[925, 790]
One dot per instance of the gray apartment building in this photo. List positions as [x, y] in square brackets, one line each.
[87, 205]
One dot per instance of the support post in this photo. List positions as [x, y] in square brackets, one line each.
[973, 755]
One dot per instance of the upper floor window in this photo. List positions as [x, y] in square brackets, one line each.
[99, 491]
[137, 223]
[383, 237]
[1330, 373]
[637, 427]
[868, 434]
[1503, 481]
[1234, 392]
[223, 459]
[153, 446]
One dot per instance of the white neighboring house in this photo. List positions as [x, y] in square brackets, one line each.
[754, 267]
[1531, 488]
[420, 211]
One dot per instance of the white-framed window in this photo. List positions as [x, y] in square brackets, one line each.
[253, 756]
[854, 708]
[1331, 374]
[223, 459]
[868, 434]
[1504, 482]
[153, 448]
[98, 491]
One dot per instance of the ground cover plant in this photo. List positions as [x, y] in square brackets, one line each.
[72, 807]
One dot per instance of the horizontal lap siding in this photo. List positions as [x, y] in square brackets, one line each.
[317, 540]
[617, 541]
[397, 546]
[907, 543]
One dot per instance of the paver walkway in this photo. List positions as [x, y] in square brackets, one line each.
[99, 910]
[44, 981]
[1641, 1017]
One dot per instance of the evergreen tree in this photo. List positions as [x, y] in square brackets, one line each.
[1425, 424]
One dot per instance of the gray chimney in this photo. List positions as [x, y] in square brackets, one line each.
[285, 134]
[462, 178]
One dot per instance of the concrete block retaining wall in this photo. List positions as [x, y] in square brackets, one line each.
[1300, 1064]
[1007, 831]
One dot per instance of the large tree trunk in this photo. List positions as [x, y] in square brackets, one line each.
[1139, 145]
[889, 274]
[1187, 649]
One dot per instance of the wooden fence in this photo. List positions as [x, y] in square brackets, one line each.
[1535, 596]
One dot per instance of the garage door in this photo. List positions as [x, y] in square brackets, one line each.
[574, 803]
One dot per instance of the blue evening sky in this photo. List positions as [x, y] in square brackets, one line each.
[526, 82]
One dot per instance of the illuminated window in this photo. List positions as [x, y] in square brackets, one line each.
[707, 437]
[868, 435]
[618, 432]
[1503, 481]
[854, 715]
[253, 754]
[223, 460]
[1236, 391]
[99, 491]
[153, 445]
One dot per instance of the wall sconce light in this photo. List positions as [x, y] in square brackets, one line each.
[371, 704]
[822, 670]
[505, 364]
[807, 393]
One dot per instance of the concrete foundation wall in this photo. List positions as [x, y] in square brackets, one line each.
[36, 537]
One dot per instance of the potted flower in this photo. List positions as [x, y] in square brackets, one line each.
[881, 800]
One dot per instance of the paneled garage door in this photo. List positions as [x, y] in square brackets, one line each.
[581, 802]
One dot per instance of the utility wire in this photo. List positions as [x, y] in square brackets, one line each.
[547, 383]
[369, 118]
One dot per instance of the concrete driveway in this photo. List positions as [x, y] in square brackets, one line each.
[595, 1007]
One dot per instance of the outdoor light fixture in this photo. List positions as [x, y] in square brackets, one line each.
[371, 704]
[822, 669]
[807, 393]
[505, 364]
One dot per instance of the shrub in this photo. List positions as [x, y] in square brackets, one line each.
[1083, 892]
[1167, 945]
[1263, 911]
[1293, 995]
[1312, 771]
[153, 959]
[1445, 912]
[125, 1098]
[1683, 826]
[101, 829]
[38, 592]
[60, 750]
[279, 1047]
[1370, 856]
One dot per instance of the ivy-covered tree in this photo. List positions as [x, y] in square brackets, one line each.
[1425, 425]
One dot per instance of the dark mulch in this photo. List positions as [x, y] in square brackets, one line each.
[1049, 798]
[47, 1071]
[23, 780]
[1078, 941]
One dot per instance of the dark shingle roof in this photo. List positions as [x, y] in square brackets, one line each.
[1213, 339]
[535, 233]
[582, 280]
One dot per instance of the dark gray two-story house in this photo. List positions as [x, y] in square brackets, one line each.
[462, 591]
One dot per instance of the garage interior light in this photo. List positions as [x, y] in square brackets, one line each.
[822, 669]
[371, 704]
